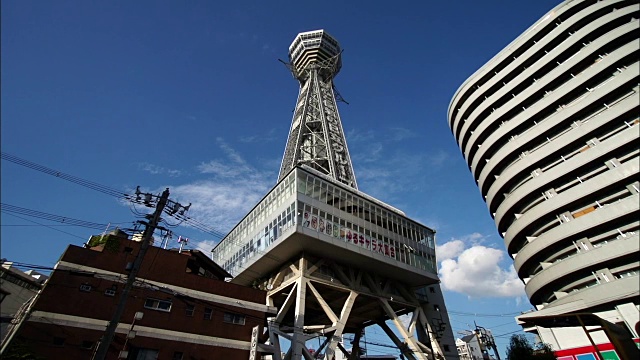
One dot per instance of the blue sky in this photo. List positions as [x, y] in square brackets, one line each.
[191, 96]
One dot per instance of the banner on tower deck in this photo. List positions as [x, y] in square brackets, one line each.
[314, 222]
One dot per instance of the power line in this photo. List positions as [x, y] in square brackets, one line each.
[66, 221]
[74, 179]
[52, 228]
[6, 208]
[460, 313]
[25, 225]
[105, 190]
[509, 333]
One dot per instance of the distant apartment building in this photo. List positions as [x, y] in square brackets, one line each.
[180, 307]
[549, 130]
[469, 347]
[16, 289]
[476, 345]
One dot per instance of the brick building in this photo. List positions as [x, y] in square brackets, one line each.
[188, 310]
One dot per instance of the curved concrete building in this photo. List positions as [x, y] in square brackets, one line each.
[549, 129]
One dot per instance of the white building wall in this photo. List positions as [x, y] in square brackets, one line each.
[626, 315]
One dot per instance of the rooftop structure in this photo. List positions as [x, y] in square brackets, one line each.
[549, 129]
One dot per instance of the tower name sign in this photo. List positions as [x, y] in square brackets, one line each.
[319, 224]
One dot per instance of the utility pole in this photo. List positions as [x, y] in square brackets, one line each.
[486, 340]
[154, 219]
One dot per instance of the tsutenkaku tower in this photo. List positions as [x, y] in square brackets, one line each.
[316, 137]
[332, 259]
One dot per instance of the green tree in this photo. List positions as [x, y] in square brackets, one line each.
[544, 352]
[521, 349]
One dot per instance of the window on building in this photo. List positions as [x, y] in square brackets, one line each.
[111, 291]
[178, 355]
[142, 353]
[87, 344]
[58, 341]
[234, 318]
[431, 289]
[85, 287]
[156, 304]
[190, 309]
[14, 279]
[446, 348]
[208, 313]
[3, 294]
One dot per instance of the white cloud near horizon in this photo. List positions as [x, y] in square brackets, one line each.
[472, 269]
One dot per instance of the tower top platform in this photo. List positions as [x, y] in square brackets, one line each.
[315, 49]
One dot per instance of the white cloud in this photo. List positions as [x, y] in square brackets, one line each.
[399, 134]
[232, 189]
[205, 245]
[269, 136]
[472, 269]
[158, 170]
[358, 135]
[411, 171]
[449, 250]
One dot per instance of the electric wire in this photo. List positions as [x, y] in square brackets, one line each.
[74, 179]
[105, 190]
[67, 221]
[460, 313]
[7, 208]
[215, 306]
[52, 228]
[43, 267]
[122, 195]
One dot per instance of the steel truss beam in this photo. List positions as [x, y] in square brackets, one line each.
[316, 137]
[303, 281]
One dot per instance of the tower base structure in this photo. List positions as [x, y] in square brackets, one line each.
[334, 261]
[317, 297]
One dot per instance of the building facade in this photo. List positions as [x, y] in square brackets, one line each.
[469, 348]
[549, 129]
[17, 288]
[333, 259]
[179, 308]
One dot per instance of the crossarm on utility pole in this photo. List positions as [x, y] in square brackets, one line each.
[103, 348]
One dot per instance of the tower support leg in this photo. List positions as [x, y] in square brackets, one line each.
[298, 339]
[337, 336]
[330, 287]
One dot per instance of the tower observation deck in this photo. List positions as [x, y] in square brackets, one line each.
[333, 259]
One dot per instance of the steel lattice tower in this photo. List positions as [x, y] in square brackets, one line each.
[316, 137]
[332, 259]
